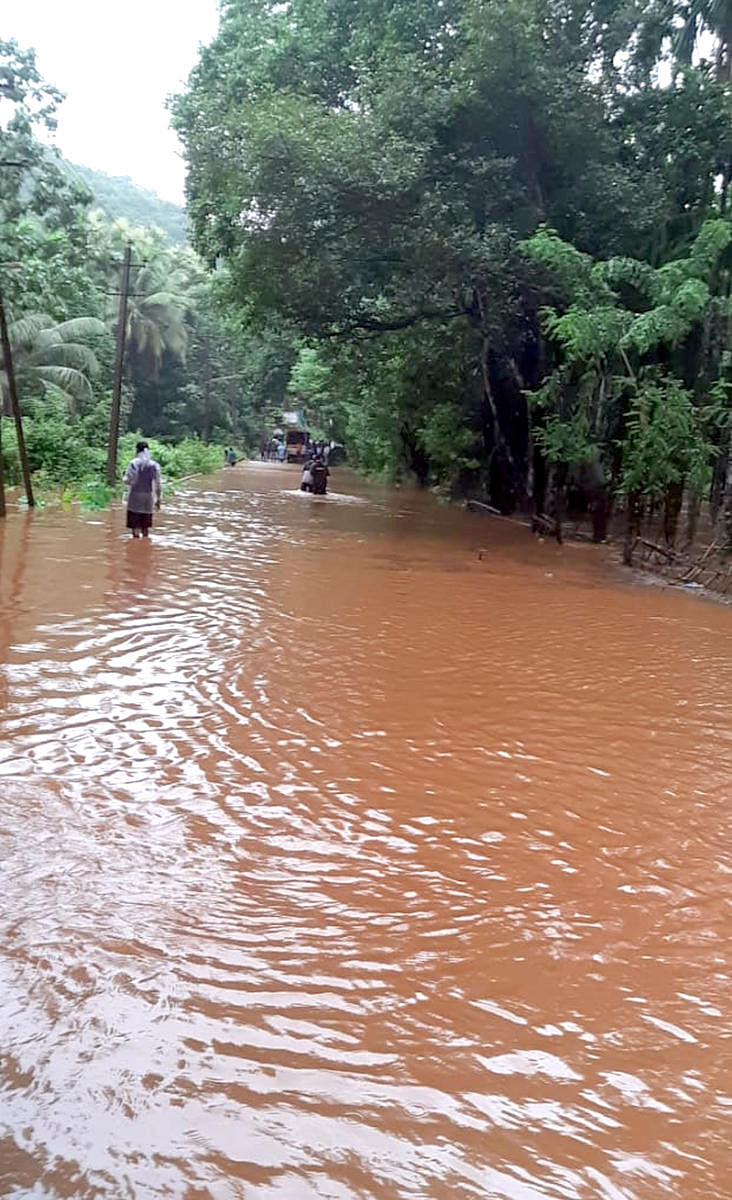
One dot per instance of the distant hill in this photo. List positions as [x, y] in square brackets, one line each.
[120, 197]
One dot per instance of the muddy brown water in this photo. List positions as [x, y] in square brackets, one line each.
[337, 862]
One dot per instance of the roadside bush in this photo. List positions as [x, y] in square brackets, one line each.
[58, 453]
[193, 457]
[189, 457]
[93, 493]
[449, 442]
[11, 461]
[60, 457]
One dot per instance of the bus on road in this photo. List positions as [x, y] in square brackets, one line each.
[295, 442]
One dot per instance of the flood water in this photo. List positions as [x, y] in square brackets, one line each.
[337, 861]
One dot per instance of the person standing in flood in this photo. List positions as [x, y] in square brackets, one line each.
[144, 481]
[319, 476]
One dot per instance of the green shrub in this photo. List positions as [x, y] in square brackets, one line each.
[94, 424]
[193, 457]
[58, 453]
[189, 457]
[664, 442]
[93, 493]
[448, 441]
[11, 461]
[61, 458]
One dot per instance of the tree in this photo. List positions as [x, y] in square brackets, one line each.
[706, 16]
[367, 173]
[636, 351]
[59, 268]
[164, 284]
[32, 185]
[156, 320]
[48, 356]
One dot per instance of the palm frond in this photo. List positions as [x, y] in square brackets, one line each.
[164, 300]
[71, 381]
[45, 337]
[177, 343]
[23, 331]
[80, 327]
[179, 279]
[67, 354]
[53, 391]
[138, 333]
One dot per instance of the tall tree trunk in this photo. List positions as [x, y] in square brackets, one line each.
[727, 509]
[716, 497]
[539, 472]
[671, 509]
[600, 515]
[560, 473]
[503, 463]
[417, 460]
[15, 404]
[692, 517]
[634, 511]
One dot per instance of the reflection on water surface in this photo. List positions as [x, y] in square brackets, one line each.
[340, 863]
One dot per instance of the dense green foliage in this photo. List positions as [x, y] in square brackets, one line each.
[188, 368]
[60, 461]
[497, 233]
[486, 243]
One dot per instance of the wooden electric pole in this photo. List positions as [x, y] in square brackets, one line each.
[118, 369]
[15, 405]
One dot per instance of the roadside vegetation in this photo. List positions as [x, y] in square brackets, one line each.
[66, 470]
[186, 381]
[500, 231]
[485, 244]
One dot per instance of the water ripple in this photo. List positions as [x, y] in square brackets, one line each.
[340, 863]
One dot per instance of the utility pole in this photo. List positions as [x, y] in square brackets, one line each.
[118, 368]
[14, 404]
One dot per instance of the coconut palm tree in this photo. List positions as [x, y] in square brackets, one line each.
[161, 294]
[158, 305]
[48, 354]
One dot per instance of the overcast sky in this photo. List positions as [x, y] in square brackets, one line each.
[117, 63]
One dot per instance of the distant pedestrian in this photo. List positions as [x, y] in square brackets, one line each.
[144, 481]
[281, 452]
[319, 475]
[230, 457]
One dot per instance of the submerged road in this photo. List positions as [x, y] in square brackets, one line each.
[337, 862]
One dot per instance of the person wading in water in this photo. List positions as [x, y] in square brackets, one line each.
[144, 481]
[319, 476]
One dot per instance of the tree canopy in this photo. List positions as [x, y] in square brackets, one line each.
[186, 366]
[485, 243]
[451, 201]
